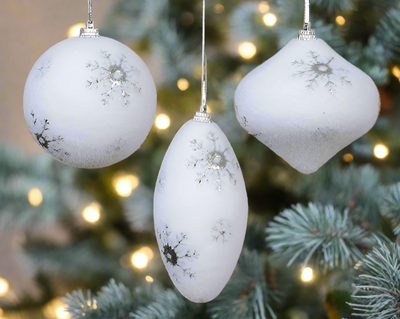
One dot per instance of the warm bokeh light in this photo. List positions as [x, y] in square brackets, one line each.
[125, 184]
[183, 84]
[247, 50]
[270, 19]
[4, 286]
[307, 274]
[381, 151]
[75, 30]
[263, 7]
[147, 251]
[62, 313]
[139, 260]
[163, 121]
[149, 279]
[396, 71]
[35, 197]
[219, 8]
[91, 213]
[348, 157]
[340, 20]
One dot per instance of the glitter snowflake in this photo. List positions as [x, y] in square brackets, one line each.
[41, 135]
[319, 71]
[212, 162]
[43, 69]
[115, 76]
[220, 231]
[175, 254]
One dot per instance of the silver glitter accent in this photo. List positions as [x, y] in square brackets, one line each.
[175, 254]
[40, 132]
[114, 75]
[245, 124]
[212, 162]
[319, 71]
[220, 231]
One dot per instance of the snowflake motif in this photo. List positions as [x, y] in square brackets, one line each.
[213, 162]
[115, 76]
[43, 69]
[220, 231]
[161, 182]
[245, 123]
[319, 71]
[50, 144]
[175, 254]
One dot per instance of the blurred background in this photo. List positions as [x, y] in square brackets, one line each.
[64, 229]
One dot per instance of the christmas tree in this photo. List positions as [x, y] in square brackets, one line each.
[317, 246]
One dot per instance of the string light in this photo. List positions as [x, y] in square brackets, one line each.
[4, 287]
[149, 279]
[396, 71]
[75, 30]
[163, 121]
[183, 84]
[125, 184]
[270, 19]
[348, 157]
[35, 197]
[219, 8]
[340, 20]
[381, 151]
[263, 7]
[307, 274]
[247, 50]
[140, 259]
[91, 213]
[358, 264]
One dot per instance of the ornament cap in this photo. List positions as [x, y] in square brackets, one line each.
[202, 117]
[90, 31]
[307, 34]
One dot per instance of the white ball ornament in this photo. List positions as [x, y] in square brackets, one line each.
[90, 101]
[200, 211]
[307, 103]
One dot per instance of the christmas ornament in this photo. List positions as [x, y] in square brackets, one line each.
[90, 101]
[200, 206]
[307, 103]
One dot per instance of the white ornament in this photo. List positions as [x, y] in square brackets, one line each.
[200, 211]
[307, 103]
[90, 102]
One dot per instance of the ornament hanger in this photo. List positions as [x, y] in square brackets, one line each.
[307, 33]
[203, 115]
[89, 31]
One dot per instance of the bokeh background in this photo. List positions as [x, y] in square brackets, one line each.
[64, 229]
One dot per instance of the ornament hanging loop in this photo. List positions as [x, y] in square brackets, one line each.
[203, 115]
[90, 31]
[307, 33]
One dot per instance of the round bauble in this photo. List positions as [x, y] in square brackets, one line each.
[307, 103]
[90, 102]
[200, 211]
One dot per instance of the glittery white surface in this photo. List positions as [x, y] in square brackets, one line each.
[90, 103]
[307, 103]
[200, 211]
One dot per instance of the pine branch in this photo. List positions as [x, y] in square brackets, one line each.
[388, 31]
[333, 6]
[317, 235]
[390, 205]
[377, 292]
[247, 294]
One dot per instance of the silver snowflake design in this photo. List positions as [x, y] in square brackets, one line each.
[319, 71]
[40, 132]
[245, 124]
[212, 161]
[43, 69]
[161, 182]
[220, 231]
[175, 254]
[115, 76]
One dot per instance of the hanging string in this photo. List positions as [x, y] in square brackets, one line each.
[90, 21]
[307, 15]
[203, 107]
